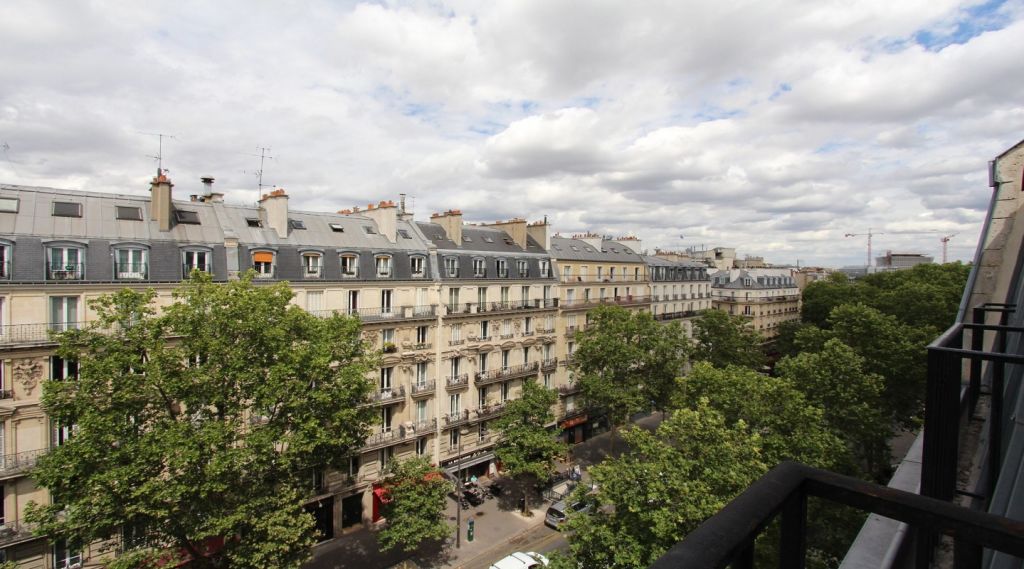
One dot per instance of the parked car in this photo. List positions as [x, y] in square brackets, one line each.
[556, 514]
[520, 560]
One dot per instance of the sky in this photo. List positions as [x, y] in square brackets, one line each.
[775, 127]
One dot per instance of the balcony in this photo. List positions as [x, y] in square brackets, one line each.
[385, 314]
[416, 347]
[422, 389]
[677, 315]
[469, 308]
[549, 364]
[568, 389]
[65, 271]
[622, 300]
[402, 433]
[506, 373]
[489, 411]
[388, 395]
[309, 272]
[457, 381]
[131, 271]
[13, 532]
[456, 342]
[455, 419]
[12, 465]
[32, 334]
[602, 278]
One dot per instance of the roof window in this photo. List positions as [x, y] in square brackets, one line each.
[369, 230]
[67, 209]
[186, 216]
[404, 234]
[128, 213]
[337, 227]
[9, 205]
[574, 248]
[296, 224]
[253, 222]
[467, 239]
[489, 239]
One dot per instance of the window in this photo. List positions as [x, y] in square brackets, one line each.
[386, 455]
[421, 443]
[296, 224]
[451, 266]
[421, 334]
[479, 269]
[453, 438]
[263, 262]
[336, 227]
[128, 213]
[600, 273]
[549, 322]
[5, 258]
[383, 266]
[385, 301]
[8, 205]
[506, 329]
[369, 230]
[545, 268]
[131, 263]
[62, 433]
[504, 294]
[504, 391]
[67, 209]
[63, 312]
[314, 301]
[421, 379]
[404, 234]
[455, 403]
[482, 430]
[483, 361]
[481, 296]
[312, 265]
[526, 355]
[386, 373]
[547, 381]
[63, 557]
[566, 272]
[502, 268]
[525, 294]
[65, 263]
[186, 217]
[195, 261]
[611, 273]
[524, 268]
[456, 365]
[485, 330]
[62, 369]
[453, 299]
[505, 358]
[253, 222]
[349, 265]
[488, 239]
[456, 333]
[353, 302]
[387, 336]
[636, 273]
[416, 265]
[528, 325]
[481, 396]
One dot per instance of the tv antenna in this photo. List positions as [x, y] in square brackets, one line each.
[160, 149]
[262, 156]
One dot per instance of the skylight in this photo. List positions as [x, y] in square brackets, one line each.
[9, 205]
[128, 213]
[296, 224]
[369, 230]
[67, 209]
[337, 227]
[404, 234]
[253, 222]
[186, 216]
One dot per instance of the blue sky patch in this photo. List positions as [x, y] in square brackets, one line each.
[970, 23]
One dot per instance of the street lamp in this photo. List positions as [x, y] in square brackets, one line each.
[458, 492]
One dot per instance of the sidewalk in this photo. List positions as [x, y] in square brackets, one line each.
[498, 523]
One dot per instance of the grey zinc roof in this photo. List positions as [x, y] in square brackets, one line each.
[478, 239]
[567, 249]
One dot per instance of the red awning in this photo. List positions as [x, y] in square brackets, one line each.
[381, 493]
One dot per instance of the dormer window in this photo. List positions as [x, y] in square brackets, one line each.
[65, 263]
[451, 266]
[479, 268]
[416, 267]
[195, 260]
[404, 234]
[186, 217]
[253, 222]
[383, 263]
[611, 273]
[128, 213]
[312, 265]
[5, 261]
[545, 268]
[296, 224]
[350, 265]
[502, 268]
[67, 209]
[131, 263]
[524, 268]
[337, 227]
[263, 263]
[8, 205]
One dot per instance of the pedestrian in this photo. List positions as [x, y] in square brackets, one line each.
[576, 474]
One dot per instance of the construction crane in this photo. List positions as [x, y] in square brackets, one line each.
[871, 233]
[945, 245]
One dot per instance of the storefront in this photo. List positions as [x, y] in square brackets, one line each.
[479, 464]
[323, 514]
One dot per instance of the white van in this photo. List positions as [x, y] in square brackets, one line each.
[520, 560]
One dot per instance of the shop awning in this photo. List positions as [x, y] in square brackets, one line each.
[467, 462]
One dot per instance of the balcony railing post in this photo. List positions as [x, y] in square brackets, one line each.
[977, 345]
[995, 421]
[941, 439]
[745, 560]
[793, 545]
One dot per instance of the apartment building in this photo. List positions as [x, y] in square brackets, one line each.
[768, 297]
[460, 323]
[680, 290]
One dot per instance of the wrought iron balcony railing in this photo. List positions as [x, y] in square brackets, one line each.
[19, 463]
[423, 388]
[388, 395]
[131, 271]
[457, 381]
[65, 271]
[506, 373]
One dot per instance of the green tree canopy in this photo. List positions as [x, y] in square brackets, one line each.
[834, 380]
[722, 339]
[626, 361]
[527, 449]
[202, 422]
[414, 505]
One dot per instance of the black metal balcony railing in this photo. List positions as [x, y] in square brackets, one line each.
[501, 306]
[603, 278]
[457, 381]
[388, 395]
[489, 411]
[423, 388]
[678, 314]
[622, 300]
[456, 418]
[349, 272]
[506, 373]
[65, 271]
[186, 269]
[728, 536]
[399, 433]
[568, 388]
[32, 333]
[14, 464]
[549, 364]
[131, 271]
[11, 532]
[267, 272]
[417, 347]
[382, 314]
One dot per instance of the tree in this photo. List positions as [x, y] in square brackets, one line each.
[722, 339]
[663, 486]
[202, 424]
[820, 297]
[834, 379]
[414, 505]
[625, 362]
[527, 449]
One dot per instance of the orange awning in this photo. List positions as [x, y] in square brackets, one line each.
[262, 257]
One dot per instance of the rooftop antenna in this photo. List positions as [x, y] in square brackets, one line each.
[160, 149]
[262, 156]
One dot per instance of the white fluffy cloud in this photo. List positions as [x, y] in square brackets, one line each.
[775, 127]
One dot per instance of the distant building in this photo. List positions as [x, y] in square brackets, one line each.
[768, 297]
[807, 275]
[898, 261]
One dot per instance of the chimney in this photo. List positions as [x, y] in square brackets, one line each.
[274, 208]
[515, 227]
[451, 221]
[632, 242]
[592, 239]
[403, 213]
[385, 214]
[208, 194]
[539, 231]
[160, 206]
